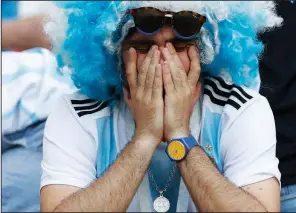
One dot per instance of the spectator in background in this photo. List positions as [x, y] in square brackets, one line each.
[31, 86]
[278, 73]
[22, 34]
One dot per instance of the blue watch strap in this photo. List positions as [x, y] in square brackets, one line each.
[189, 142]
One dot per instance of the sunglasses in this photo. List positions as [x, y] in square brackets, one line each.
[149, 21]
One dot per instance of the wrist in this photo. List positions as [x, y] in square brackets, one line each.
[181, 133]
[146, 140]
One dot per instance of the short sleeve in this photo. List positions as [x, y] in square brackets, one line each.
[69, 151]
[248, 146]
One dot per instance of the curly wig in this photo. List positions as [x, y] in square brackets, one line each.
[87, 36]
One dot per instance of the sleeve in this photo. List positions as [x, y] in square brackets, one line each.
[69, 151]
[248, 146]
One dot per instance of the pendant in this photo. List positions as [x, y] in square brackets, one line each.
[161, 204]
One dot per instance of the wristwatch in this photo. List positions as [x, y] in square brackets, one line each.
[178, 149]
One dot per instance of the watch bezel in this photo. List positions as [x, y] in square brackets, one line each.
[183, 145]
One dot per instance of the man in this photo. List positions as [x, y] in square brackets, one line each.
[278, 72]
[104, 151]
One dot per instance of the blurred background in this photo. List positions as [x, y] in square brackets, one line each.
[31, 85]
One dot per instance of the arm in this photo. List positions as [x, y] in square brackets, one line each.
[116, 187]
[249, 157]
[24, 34]
[215, 193]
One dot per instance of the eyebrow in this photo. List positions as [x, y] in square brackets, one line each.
[152, 42]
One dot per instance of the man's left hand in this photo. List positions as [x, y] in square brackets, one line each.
[181, 91]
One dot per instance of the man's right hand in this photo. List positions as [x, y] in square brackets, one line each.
[145, 96]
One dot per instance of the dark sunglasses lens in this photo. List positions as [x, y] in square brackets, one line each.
[186, 24]
[148, 21]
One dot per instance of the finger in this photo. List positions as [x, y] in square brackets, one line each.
[157, 85]
[131, 70]
[174, 54]
[176, 72]
[142, 72]
[151, 74]
[194, 71]
[167, 79]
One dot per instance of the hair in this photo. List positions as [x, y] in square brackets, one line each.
[87, 36]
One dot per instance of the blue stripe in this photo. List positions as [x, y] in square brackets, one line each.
[211, 134]
[106, 152]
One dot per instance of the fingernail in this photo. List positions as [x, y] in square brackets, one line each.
[154, 47]
[156, 53]
[165, 50]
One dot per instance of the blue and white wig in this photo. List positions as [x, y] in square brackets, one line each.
[87, 36]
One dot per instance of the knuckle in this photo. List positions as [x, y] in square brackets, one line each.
[129, 74]
[149, 82]
[157, 84]
[146, 101]
[187, 93]
[142, 70]
[138, 97]
[181, 70]
[150, 55]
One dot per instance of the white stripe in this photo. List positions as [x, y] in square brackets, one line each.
[215, 94]
[227, 90]
[219, 85]
[235, 99]
[240, 94]
[89, 110]
[84, 105]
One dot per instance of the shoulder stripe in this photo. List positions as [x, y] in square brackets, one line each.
[226, 86]
[88, 107]
[99, 108]
[243, 92]
[220, 102]
[223, 93]
[85, 101]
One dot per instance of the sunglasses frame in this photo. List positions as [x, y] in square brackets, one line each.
[166, 15]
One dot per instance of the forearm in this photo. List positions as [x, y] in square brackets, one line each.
[24, 34]
[114, 191]
[209, 190]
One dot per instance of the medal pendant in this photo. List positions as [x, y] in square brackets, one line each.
[161, 204]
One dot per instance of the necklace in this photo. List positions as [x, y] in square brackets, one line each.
[162, 204]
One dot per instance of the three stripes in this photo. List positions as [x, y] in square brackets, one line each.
[88, 106]
[222, 94]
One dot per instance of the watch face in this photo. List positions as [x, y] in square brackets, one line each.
[176, 150]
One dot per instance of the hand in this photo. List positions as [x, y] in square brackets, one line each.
[145, 98]
[181, 91]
